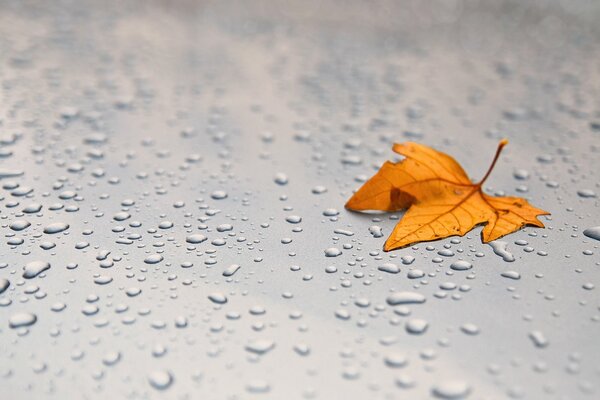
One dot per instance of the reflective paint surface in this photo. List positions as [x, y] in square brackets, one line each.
[173, 176]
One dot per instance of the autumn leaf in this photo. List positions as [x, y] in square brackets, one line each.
[441, 199]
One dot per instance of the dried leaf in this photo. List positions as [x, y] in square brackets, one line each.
[441, 199]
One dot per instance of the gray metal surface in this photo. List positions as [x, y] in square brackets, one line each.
[141, 124]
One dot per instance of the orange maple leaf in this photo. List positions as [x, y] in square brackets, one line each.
[441, 199]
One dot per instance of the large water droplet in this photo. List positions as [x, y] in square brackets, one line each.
[397, 298]
[34, 268]
[218, 298]
[195, 238]
[593, 233]
[21, 319]
[461, 265]
[500, 248]
[260, 346]
[153, 259]
[451, 390]
[19, 225]
[4, 284]
[389, 268]
[56, 227]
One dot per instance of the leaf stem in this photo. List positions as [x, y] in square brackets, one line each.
[501, 145]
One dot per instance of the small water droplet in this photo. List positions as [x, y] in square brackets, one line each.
[260, 346]
[281, 179]
[538, 339]
[219, 195]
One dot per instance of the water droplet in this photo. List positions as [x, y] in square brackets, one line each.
[586, 193]
[32, 208]
[405, 381]
[10, 173]
[500, 248]
[376, 231]
[593, 233]
[21, 319]
[121, 216]
[281, 179]
[4, 284]
[351, 373]
[153, 259]
[111, 358]
[397, 298]
[103, 280]
[160, 380]
[332, 252]
[415, 274]
[224, 228]
[133, 291]
[451, 390]
[395, 360]
[56, 227]
[219, 195]
[260, 346]
[217, 298]
[389, 268]
[521, 174]
[181, 322]
[319, 189]
[293, 219]
[511, 275]
[232, 269]
[165, 225]
[344, 232]
[302, 349]
[19, 225]
[470, 329]
[416, 326]
[407, 260]
[342, 314]
[34, 268]
[258, 386]
[538, 339]
[461, 265]
[195, 238]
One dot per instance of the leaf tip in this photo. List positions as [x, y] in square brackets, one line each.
[351, 204]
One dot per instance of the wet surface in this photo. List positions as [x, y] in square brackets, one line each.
[173, 178]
